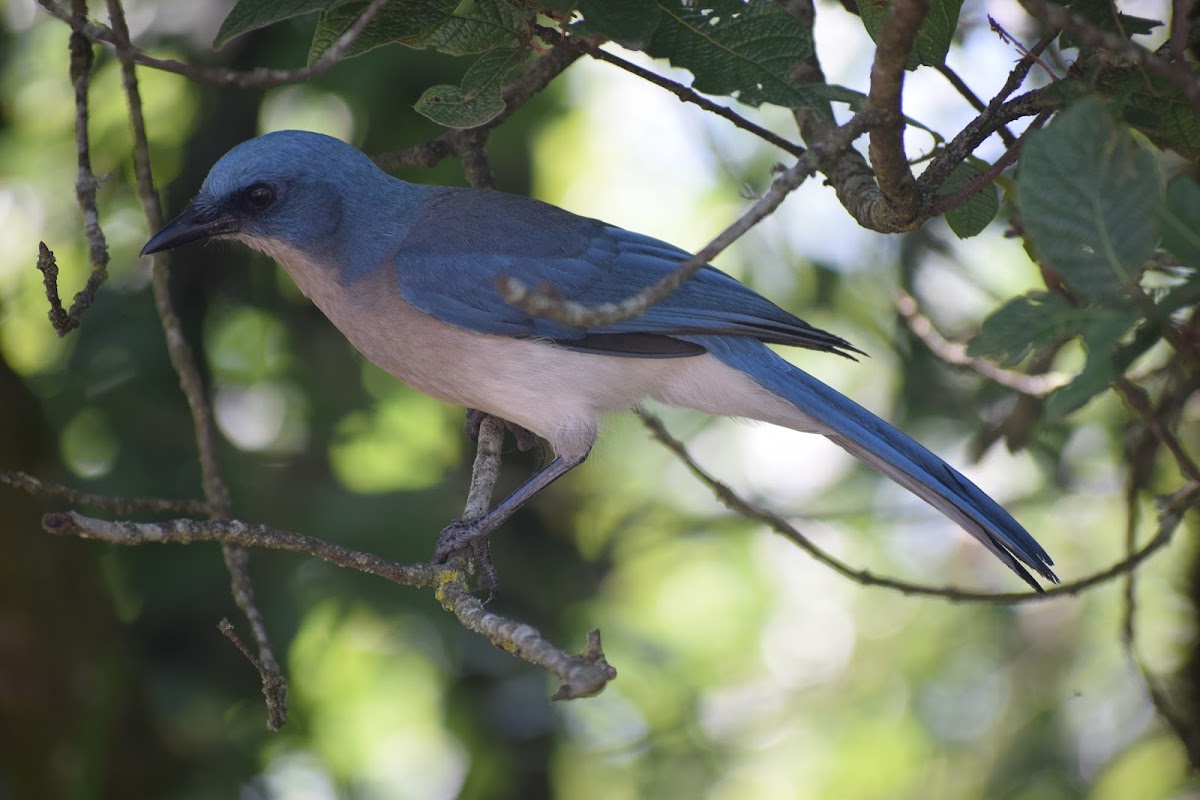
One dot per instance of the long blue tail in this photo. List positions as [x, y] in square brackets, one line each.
[874, 441]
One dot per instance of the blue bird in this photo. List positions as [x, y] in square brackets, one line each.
[408, 274]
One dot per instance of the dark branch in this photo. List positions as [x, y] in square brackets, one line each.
[216, 492]
[683, 93]
[119, 505]
[1169, 519]
[257, 78]
[547, 303]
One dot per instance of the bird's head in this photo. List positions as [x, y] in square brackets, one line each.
[281, 190]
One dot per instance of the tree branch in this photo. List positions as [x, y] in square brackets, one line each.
[956, 354]
[119, 505]
[582, 675]
[547, 303]
[85, 193]
[683, 93]
[1088, 34]
[257, 78]
[1170, 517]
[897, 186]
[216, 492]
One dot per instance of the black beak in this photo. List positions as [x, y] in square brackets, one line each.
[192, 225]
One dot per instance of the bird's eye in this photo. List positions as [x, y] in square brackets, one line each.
[259, 196]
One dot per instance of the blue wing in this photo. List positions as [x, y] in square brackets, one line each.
[463, 240]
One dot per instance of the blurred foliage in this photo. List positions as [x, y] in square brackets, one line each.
[746, 669]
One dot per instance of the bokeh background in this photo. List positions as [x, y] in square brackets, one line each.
[746, 669]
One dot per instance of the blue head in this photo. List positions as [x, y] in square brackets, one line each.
[294, 189]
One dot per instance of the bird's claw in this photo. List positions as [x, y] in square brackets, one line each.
[464, 537]
[527, 440]
[454, 537]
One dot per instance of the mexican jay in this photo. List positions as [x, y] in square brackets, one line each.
[408, 274]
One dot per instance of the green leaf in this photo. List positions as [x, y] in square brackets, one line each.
[477, 99]
[1023, 325]
[1089, 198]
[973, 216]
[1038, 321]
[250, 15]
[1106, 361]
[934, 35]
[1103, 14]
[454, 27]
[629, 23]
[742, 49]
[1181, 221]
[1157, 107]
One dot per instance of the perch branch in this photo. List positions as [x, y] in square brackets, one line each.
[582, 674]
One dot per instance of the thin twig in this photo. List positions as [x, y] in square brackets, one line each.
[956, 353]
[683, 93]
[1032, 55]
[120, 505]
[886, 149]
[256, 78]
[962, 88]
[1169, 519]
[237, 532]
[1135, 396]
[65, 321]
[216, 492]
[547, 303]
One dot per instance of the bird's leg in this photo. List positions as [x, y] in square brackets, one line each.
[459, 534]
[526, 440]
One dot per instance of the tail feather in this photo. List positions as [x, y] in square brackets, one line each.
[893, 453]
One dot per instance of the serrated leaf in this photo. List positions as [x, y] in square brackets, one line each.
[973, 216]
[1022, 326]
[1156, 106]
[1089, 198]
[1181, 221]
[629, 23]
[736, 48]
[1106, 360]
[478, 98]
[453, 27]
[249, 15]
[934, 34]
